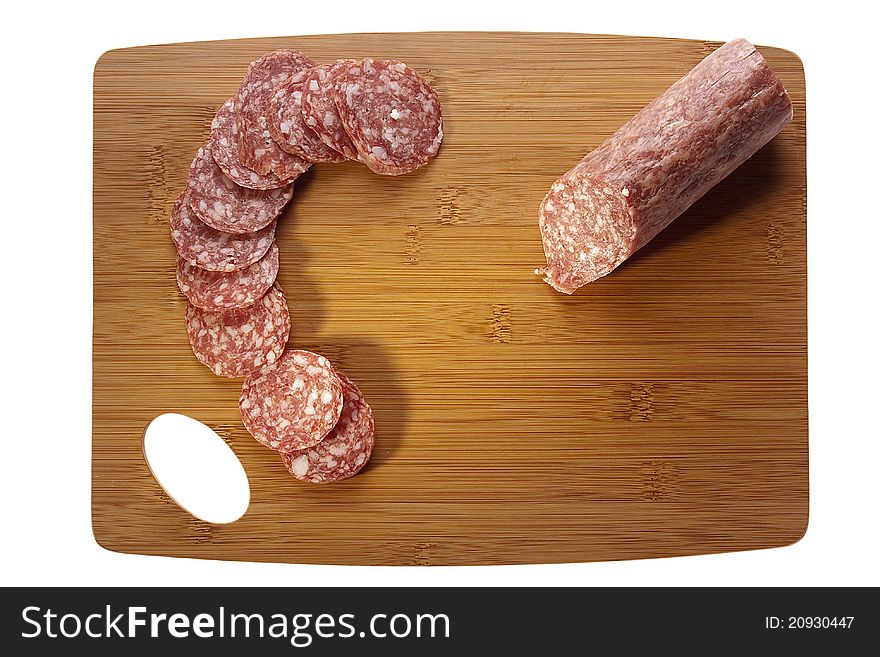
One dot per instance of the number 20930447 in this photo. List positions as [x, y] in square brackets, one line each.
[808, 622]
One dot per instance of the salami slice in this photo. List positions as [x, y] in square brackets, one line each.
[256, 148]
[207, 248]
[391, 114]
[319, 107]
[345, 450]
[224, 149]
[236, 343]
[219, 291]
[620, 196]
[294, 403]
[228, 207]
[287, 127]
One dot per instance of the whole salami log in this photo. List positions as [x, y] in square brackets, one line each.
[294, 403]
[659, 163]
[345, 450]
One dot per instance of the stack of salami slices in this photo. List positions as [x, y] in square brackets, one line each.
[288, 114]
[312, 414]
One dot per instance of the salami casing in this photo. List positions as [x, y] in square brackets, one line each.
[224, 149]
[218, 291]
[287, 127]
[345, 450]
[294, 403]
[228, 207]
[208, 248]
[391, 114]
[659, 163]
[256, 149]
[235, 343]
[319, 107]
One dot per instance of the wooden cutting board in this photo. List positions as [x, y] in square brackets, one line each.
[660, 411]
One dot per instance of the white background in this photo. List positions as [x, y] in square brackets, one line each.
[45, 252]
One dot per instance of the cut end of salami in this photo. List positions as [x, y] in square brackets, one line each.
[256, 148]
[345, 450]
[219, 291]
[226, 206]
[587, 231]
[391, 114]
[238, 343]
[691, 137]
[294, 403]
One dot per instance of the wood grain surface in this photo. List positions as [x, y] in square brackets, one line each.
[659, 411]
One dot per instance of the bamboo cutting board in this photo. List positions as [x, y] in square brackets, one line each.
[660, 411]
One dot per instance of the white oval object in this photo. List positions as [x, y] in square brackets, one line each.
[196, 468]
